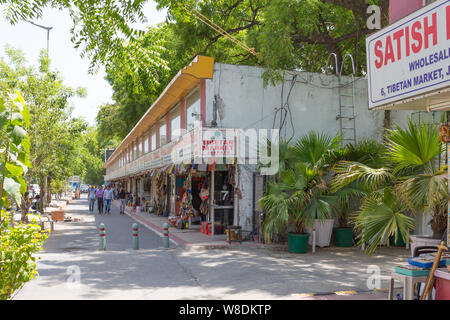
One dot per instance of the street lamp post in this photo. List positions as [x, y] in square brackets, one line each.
[45, 28]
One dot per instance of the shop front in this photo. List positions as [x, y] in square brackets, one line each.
[414, 74]
[194, 191]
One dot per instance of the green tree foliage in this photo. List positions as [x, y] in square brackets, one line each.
[17, 242]
[93, 156]
[55, 138]
[286, 34]
[101, 29]
[112, 125]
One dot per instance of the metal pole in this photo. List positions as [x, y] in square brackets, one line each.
[314, 240]
[48, 42]
[48, 33]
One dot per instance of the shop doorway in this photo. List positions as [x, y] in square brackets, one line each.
[223, 201]
[198, 184]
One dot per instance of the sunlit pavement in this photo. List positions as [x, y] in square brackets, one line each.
[72, 267]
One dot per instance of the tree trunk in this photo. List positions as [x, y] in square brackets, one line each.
[49, 191]
[25, 207]
[43, 186]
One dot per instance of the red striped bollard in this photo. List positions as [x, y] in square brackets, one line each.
[102, 241]
[166, 235]
[135, 231]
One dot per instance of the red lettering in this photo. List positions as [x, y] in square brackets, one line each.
[379, 54]
[416, 36]
[389, 53]
[448, 23]
[408, 49]
[398, 37]
[430, 30]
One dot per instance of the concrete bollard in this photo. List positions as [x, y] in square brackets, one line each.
[102, 241]
[135, 232]
[166, 235]
[314, 240]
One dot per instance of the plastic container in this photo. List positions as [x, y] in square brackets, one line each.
[324, 229]
[399, 243]
[343, 237]
[412, 271]
[298, 243]
[442, 284]
[425, 262]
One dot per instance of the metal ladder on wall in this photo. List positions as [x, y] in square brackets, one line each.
[347, 115]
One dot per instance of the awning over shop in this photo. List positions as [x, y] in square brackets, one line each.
[202, 67]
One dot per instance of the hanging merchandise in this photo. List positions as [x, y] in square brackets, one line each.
[204, 193]
[204, 208]
[187, 204]
[161, 193]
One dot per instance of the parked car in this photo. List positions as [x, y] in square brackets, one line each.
[84, 188]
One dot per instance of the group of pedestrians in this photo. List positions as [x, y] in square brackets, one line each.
[104, 197]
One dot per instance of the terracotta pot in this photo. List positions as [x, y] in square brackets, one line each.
[57, 215]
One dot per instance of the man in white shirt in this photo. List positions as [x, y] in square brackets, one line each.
[108, 196]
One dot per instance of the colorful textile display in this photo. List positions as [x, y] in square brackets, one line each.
[187, 204]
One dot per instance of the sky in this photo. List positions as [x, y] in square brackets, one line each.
[64, 57]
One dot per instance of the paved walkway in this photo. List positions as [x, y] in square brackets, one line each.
[188, 239]
[117, 273]
[240, 272]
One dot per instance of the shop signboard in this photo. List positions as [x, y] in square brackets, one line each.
[411, 57]
[218, 143]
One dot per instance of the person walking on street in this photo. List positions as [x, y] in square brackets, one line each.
[91, 197]
[123, 200]
[99, 197]
[108, 196]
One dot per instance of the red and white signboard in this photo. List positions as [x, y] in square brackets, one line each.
[410, 57]
[218, 143]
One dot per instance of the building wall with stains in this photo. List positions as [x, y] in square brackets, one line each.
[242, 101]
[236, 97]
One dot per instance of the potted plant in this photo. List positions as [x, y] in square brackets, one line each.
[410, 180]
[348, 201]
[313, 151]
[294, 199]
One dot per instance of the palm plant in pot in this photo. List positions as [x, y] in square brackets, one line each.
[313, 151]
[410, 181]
[295, 199]
[348, 198]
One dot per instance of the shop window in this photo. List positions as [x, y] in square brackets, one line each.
[193, 118]
[175, 123]
[162, 132]
[139, 147]
[146, 144]
[153, 139]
